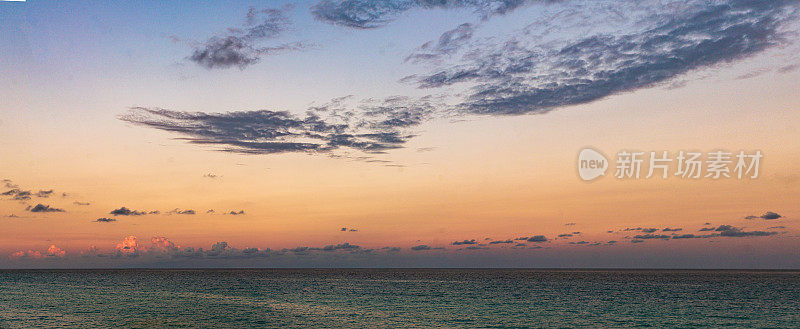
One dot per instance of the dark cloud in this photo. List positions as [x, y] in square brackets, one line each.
[421, 247]
[370, 14]
[458, 243]
[235, 213]
[724, 231]
[341, 246]
[377, 127]
[667, 229]
[535, 238]
[44, 194]
[43, 208]
[768, 216]
[730, 231]
[177, 211]
[105, 220]
[78, 203]
[124, 211]
[238, 48]
[298, 249]
[651, 236]
[649, 230]
[523, 76]
[565, 235]
[501, 242]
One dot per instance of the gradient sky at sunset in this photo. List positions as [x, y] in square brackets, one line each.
[418, 126]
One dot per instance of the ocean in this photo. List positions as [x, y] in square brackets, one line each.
[398, 298]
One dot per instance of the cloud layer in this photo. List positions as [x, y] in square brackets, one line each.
[570, 53]
[522, 75]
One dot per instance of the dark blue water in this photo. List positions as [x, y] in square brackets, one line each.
[398, 298]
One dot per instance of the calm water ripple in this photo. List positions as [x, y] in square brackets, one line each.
[412, 298]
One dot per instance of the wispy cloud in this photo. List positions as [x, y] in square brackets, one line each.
[370, 14]
[239, 47]
[448, 43]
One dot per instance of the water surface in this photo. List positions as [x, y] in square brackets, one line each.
[416, 298]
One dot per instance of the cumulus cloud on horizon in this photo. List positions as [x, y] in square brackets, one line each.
[124, 211]
[769, 215]
[43, 208]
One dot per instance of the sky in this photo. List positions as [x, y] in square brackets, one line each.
[396, 133]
